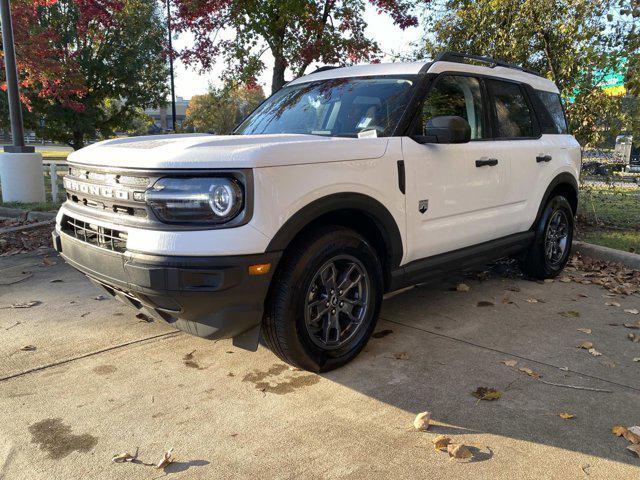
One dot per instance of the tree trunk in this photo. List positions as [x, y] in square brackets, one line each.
[78, 140]
[279, 67]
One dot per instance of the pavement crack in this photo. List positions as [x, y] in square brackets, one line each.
[515, 355]
[90, 354]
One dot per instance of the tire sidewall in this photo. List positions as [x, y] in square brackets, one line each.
[332, 243]
[555, 204]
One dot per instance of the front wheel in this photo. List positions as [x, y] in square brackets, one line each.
[325, 300]
[551, 248]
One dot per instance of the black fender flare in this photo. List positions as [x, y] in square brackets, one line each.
[564, 177]
[371, 207]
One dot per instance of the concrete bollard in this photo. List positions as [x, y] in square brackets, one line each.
[21, 177]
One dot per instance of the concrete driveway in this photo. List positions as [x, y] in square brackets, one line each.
[102, 382]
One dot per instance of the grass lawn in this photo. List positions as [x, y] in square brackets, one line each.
[626, 240]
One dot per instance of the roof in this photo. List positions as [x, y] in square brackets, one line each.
[426, 66]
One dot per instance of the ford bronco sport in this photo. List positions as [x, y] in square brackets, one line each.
[346, 184]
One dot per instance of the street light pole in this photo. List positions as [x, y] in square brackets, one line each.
[11, 69]
[173, 88]
[20, 166]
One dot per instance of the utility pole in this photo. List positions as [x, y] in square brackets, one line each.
[20, 167]
[173, 88]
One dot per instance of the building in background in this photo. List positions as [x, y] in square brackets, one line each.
[162, 120]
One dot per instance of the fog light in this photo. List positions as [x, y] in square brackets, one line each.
[259, 269]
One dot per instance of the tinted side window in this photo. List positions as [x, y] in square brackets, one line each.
[456, 95]
[554, 112]
[514, 118]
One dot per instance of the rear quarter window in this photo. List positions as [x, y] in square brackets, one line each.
[552, 117]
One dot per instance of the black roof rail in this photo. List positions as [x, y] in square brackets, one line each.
[492, 62]
[324, 69]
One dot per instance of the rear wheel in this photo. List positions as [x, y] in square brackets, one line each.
[325, 300]
[551, 248]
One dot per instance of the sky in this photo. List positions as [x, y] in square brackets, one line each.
[391, 39]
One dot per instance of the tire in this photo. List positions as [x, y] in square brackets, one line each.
[551, 248]
[298, 326]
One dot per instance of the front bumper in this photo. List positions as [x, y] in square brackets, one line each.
[211, 297]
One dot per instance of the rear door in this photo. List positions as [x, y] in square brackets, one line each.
[455, 192]
[518, 140]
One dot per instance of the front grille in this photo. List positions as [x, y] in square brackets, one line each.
[102, 237]
[111, 193]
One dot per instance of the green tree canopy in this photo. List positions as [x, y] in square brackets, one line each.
[573, 42]
[219, 111]
[88, 67]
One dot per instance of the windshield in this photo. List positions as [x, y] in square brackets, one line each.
[340, 107]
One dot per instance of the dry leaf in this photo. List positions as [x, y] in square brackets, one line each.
[100, 297]
[548, 280]
[529, 372]
[586, 345]
[401, 356]
[634, 326]
[585, 330]
[125, 457]
[28, 348]
[441, 442]
[594, 352]
[485, 393]
[166, 459]
[421, 422]
[24, 305]
[532, 300]
[570, 314]
[462, 287]
[47, 262]
[566, 416]
[565, 279]
[633, 337]
[459, 452]
[635, 449]
[618, 430]
[635, 429]
[612, 304]
[637, 359]
[632, 437]
[632, 311]
[510, 363]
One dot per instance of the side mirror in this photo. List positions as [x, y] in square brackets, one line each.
[445, 129]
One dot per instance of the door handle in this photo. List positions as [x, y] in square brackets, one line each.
[490, 162]
[543, 158]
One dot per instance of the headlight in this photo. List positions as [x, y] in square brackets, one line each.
[195, 200]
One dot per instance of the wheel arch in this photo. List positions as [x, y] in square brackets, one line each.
[564, 184]
[357, 211]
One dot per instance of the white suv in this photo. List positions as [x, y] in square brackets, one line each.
[346, 184]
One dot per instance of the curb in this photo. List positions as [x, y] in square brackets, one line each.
[631, 260]
[26, 215]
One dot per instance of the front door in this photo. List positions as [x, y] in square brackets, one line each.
[455, 193]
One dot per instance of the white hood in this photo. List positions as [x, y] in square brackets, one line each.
[226, 151]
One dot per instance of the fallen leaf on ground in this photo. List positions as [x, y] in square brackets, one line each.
[529, 372]
[401, 356]
[143, 317]
[459, 452]
[532, 300]
[28, 348]
[633, 337]
[632, 311]
[565, 279]
[632, 437]
[441, 442]
[637, 359]
[166, 459]
[48, 262]
[586, 345]
[585, 330]
[100, 297]
[618, 430]
[634, 326]
[570, 314]
[125, 457]
[421, 422]
[485, 303]
[566, 416]
[635, 449]
[57, 280]
[635, 429]
[486, 393]
[24, 305]
[548, 280]
[462, 287]
[594, 352]
[510, 363]
[612, 304]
